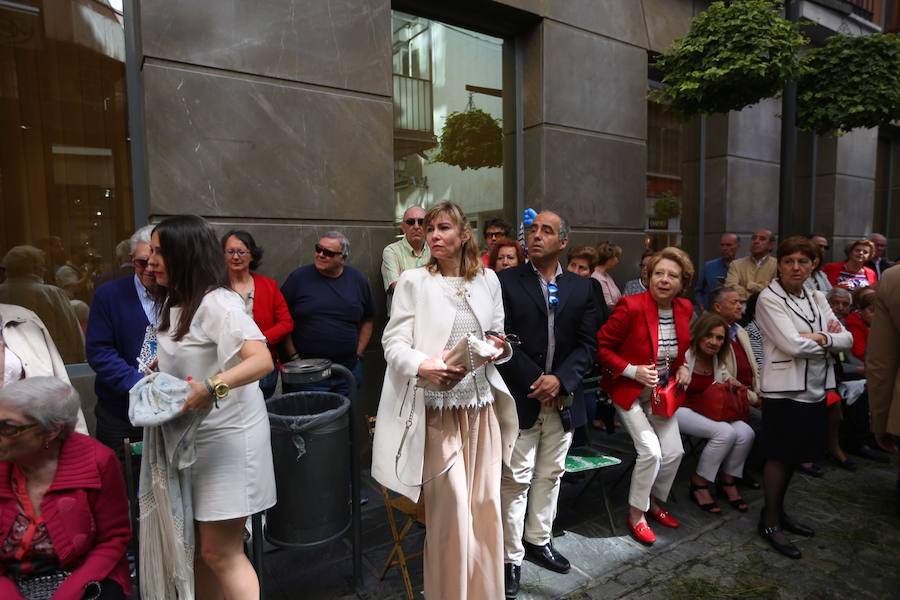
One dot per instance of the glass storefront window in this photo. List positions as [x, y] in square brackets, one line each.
[439, 70]
[65, 179]
[665, 189]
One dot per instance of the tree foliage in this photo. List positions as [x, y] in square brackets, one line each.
[471, 140]
[850, 82]
[734, 56]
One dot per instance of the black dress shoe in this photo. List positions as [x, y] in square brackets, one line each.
[813, 470]
[512, 574]
[870, 453]
[788, 524]
[749, 482]
[771, 535]
[547, 557]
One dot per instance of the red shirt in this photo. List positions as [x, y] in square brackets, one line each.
[742, 363]
[270, 311]
[860, 331]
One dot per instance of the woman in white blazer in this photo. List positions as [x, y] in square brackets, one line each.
[799, 331]
[448, 445]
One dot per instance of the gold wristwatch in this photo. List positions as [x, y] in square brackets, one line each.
[220, 388]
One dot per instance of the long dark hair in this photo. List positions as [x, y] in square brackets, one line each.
[256, 252]
[194, 264]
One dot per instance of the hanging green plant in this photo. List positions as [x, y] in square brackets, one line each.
[735, 55]
[471, 140]
[667, 206]
[850, 82]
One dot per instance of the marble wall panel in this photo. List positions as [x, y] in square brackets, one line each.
[856, 153]
[240, 146]
[340, 43]
[752, 200]
[594, 83]
[533, 77]
[667, 20]
[755, 132]
[854, 200]
[619, 19]
[595, 181]
[533, 144]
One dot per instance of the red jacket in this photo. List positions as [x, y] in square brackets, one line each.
[270, 311]
[860, 331]
[833, 270]
[630, 336]
[85, 510]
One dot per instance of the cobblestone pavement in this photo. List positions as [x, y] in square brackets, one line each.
[854, 554]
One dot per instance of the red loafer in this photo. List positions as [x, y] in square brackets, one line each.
[665, 518]
[642, 533]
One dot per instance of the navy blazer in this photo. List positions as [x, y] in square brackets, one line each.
[575, 332]
[115, 332]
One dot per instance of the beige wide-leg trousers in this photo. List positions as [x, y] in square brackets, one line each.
[463, 536]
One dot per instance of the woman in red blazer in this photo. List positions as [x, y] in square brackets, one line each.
[853, 274]
[642, 345]
[261, 295]
[63, 508]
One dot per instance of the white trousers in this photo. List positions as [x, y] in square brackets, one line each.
[529, 487]
[659, 451]
[728, 445]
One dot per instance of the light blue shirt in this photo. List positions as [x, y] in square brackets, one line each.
[147, 301]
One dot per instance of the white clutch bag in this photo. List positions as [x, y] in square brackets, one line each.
[470, 353]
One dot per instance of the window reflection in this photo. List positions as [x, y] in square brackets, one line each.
[439, 70]
[65, 183]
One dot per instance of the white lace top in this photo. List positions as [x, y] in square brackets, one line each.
[473, 390]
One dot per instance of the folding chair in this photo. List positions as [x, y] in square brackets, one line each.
[415, 515]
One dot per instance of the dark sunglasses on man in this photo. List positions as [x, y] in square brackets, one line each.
[411, 222]
[326, 252]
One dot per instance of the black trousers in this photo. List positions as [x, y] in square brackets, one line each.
[112, 431]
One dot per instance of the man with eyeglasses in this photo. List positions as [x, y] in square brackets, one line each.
[494, 231]
[552, 311]
[333, 311]
[409, 252]
[121, 344]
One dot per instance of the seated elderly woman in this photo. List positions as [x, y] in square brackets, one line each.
[63, 510]
[730, 439]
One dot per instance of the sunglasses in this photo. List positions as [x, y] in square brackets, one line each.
[327, 252]
[511, 338]
[552, 297]
[10, 430]
[412, 222]
[141, 262]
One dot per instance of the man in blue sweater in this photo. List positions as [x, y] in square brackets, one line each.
[120, 337]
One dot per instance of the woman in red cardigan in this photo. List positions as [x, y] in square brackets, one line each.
[262, 297]
[853, 274]
[63, 508]
[642, 345]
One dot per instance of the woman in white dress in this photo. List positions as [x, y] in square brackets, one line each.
[207, 338]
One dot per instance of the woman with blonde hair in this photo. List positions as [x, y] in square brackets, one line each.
[442, 430]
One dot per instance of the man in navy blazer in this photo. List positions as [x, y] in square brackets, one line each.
[122, 314]
[552, 311]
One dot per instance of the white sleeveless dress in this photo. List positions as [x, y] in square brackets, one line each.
[233, 476]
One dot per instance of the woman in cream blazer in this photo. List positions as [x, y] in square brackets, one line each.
[29, 350]
[450, 452]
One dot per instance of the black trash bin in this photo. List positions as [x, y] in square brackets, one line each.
[310, 449]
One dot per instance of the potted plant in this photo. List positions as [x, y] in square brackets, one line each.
[471, 139]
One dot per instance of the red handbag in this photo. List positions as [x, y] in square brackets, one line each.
[665, 400]
[721, 402]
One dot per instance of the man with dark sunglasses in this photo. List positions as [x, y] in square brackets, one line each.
[333, 311]
[553, 313]
[409, 252]
[120, 336]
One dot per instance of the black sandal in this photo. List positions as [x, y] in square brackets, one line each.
[710, 507]
[738, 503]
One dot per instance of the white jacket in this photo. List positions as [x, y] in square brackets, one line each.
[27, 336]
[419, 327]
[787, 356]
